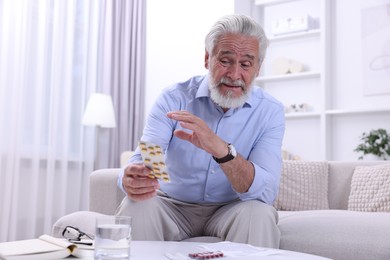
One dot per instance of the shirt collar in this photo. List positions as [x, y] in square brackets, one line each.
[203, 90]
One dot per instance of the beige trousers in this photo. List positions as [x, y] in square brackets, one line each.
[166, 219]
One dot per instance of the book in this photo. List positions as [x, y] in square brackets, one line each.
[44, 247]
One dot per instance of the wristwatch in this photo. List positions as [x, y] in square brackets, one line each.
[230, 156]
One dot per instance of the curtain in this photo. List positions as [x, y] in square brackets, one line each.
[53, 56]
[122, 53]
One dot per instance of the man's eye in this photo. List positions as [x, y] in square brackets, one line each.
[225, 62]
[246, 65]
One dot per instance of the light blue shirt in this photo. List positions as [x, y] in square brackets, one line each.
[256, 131]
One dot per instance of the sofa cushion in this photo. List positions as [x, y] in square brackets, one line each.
[303, 186]
[370, 189]
[336, 234]
[85, 221]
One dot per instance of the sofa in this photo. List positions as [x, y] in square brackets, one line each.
[334, 209]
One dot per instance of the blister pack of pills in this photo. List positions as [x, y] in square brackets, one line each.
[206, 255]
[153, 157]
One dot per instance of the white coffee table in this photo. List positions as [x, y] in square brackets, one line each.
[152, 250]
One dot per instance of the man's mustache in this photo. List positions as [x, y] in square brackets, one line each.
[235, 83]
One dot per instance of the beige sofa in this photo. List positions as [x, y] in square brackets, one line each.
[330, 227]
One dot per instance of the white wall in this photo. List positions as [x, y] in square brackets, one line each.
[175, 40]
[348, 90]
[348, 63]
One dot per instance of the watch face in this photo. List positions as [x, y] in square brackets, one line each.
[232, 150]
[230, 156]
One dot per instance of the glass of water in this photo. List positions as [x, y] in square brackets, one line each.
[113, 237]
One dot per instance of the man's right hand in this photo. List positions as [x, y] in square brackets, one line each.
[137, 184]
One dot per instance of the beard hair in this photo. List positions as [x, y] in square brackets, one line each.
[227, 100]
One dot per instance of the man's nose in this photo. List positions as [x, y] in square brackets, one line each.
[234, 72]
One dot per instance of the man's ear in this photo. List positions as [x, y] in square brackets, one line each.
[206, 59]
[258, 69]
[258, 72]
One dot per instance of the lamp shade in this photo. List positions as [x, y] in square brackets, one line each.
[99, 111]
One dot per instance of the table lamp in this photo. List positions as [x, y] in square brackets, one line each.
[99, 113]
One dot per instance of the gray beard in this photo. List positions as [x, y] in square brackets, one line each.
[227, 100]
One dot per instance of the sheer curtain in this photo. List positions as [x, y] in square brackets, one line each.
[122, 59]
[51, 61]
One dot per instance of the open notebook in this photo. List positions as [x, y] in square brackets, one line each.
[44, 247]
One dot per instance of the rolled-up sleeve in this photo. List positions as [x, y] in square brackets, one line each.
[266, 159]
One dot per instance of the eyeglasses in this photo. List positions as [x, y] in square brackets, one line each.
[74, 235]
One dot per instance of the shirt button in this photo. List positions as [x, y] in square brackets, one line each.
[212, 171]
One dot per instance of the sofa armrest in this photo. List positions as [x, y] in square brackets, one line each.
[104, 194]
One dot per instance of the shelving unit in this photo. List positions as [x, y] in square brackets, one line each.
[358, 111]
[287, 77]
[311, 33]
[306, 134]
[303, 115]
[331, 84]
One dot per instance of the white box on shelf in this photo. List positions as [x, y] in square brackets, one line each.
[292, 25]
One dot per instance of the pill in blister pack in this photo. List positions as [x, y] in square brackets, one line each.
[206, 255]
[153, 157]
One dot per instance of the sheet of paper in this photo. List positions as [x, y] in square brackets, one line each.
[238, 250]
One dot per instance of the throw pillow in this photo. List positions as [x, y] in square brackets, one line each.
[370, 189]
[303, 186]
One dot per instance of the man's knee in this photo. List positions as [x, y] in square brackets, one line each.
[257, 210]
[132, 208]
[253, 222]
[263, 224]
[150, 220]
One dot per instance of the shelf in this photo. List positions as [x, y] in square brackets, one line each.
[311, 48]
[357, 111]
[302, 75]
[298, 35]
[302, 115]
[271, 2]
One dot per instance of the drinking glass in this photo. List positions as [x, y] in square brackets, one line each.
[113, 237]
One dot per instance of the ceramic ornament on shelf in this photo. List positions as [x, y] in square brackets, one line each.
[295, 66]
[303, 107]
[281, 66]
[284, 65]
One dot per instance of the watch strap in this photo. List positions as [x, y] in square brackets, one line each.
[226, 158]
